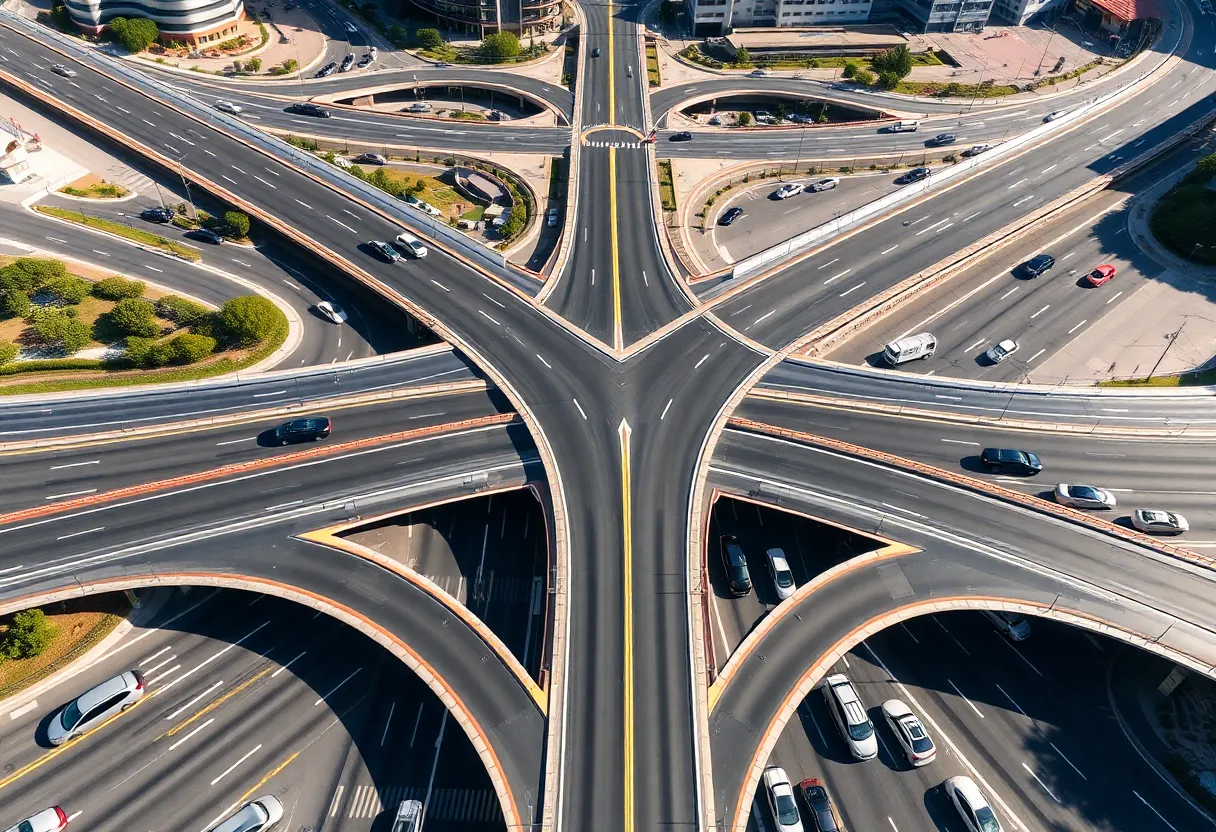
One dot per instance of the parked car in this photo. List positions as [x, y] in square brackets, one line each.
[850, 717]
[730, 216]
[206, 235]
[783, 576]
[370, 159]
[347, 63]
[1083, 496]
[48, 820]
[823, 814]
[825, 184]
[498, 115]
[1037, 265]
[552, 219]
[764, 117]
[734, 561]
[385, 250]
[95, 706]
[65, 71]
[1010, 461]
[682, 136]
[1101, 274]
[409, 817]
[255, 816]
[307, 108]
[420, 107]
[308, 429]
[781, 799]
[326, 71]
[909, 733]
[715, 120]
[941, 139]
[1000, 351]
[365, 60]
[1155, 521]
[971, 805]
[914, 175]
[977, 149]
[331, 311]
[157, 213]
[1011, 625]
[788, 190]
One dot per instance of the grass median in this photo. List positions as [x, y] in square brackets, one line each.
[146, 238]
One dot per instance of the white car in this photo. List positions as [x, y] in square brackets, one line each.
[760, 73]
[343, 162]
[331, 311]
[258, 814]
[411, 245]
[850, 717]
[1055, 114]
[48, 820]
[908, 731]
[788, 190]
[783, 578]
[95, 705]
[350, 27]
[781, 800]
[1154, 521]
[228, 107]
[60, 69]
[999, 352]
[971, 805]
[1084, 496]
[824, 184]
[1011, 625]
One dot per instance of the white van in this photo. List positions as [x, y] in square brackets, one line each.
[411, 244]
[900, 350]
[905, 126]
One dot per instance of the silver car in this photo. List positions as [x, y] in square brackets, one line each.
[258, 814]
[1084, 496]
[409, 817]
[999, 352]
[1009, 624]
[228, 107]
[783, 576]
[1154, 521]
[95, 706]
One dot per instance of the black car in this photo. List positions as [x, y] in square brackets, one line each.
[914, 175]
[1038, 264]
[326, 70]
[206, 235]
[157, 214]
[365, 60]
[305, 108]
[370, 159]
[738, 579]
[941, 139]
[386, 251]
[310, 429]
[823, 813]
[730, 216]
[347, 63]
[595, 53]
[1010, 461]
[682, 136]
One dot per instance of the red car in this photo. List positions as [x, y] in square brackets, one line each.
[1101, 274]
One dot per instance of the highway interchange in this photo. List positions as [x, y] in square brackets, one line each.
[622, 384]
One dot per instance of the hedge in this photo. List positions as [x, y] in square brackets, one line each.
[68, 289]
[117, 288]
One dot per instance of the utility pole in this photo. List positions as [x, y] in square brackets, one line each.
[1170, 339]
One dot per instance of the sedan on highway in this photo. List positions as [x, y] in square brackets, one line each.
[1037, 265]
[941, 139]
[730, 216]
[781, 799]
[825, 184]
[48, 820]
[1101, 275]
[228, 107]
[385, 251]
[309, 429]
[1009, 624]
[370, 159]
[910, 734]
[306, 108]
[331, 311]
[783, 576]
[1000, 351]
[971, 805]
[1010, 461]
[255, 816]
[95, 706]
[787, 190]
[682, 136]
[1054, 114]
[1083, 496]
[1155, 521]
[823, 813]
[60, 69]
[914, 175]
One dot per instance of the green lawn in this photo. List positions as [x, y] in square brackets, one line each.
[121, 230]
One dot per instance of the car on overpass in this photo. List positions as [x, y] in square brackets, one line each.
[1010, 461]
[730, 216]
[914, 175]
[971, 805]
[823, 813]
[385, 251]
[1083, 496]
[977, 149]
[1038, 265]
[228, 107]
[60, 69]
[1155, 521]
[787, 190]
[781, 799]
[1102, 274]
[307, 108]
[308, 429]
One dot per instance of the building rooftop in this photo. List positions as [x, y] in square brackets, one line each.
[1129, 10]
[819, 37]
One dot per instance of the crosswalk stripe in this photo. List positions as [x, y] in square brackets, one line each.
[336, 802]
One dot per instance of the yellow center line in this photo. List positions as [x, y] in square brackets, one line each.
[626, 499]
[618, 337]
[240, 800]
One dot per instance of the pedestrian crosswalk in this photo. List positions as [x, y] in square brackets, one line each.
[466, 805]
[620, 145]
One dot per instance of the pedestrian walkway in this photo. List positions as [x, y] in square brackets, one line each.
[453, 805]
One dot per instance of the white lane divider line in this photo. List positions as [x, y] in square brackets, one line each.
[1036, 355]
[854, 289]
[191, 734]
[1154, 811]
[581, 412]
[228, 770]
[78, 534]
[1078, 326]
[1030, 771]
[335, 687]
[837, 277]
[192, 702]
[1040, 312]
[289, 664]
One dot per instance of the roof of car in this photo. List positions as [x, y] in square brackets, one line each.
[110, 687]
[966, 786]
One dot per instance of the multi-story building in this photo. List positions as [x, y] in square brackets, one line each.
[713, 17]
[188, 21]
[482, 17]
[945, 15]
[1018, 12]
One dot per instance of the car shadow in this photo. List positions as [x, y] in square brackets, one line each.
[940, 810]
[268, 439]
[974, 465]
[820, 730]
[890, 752]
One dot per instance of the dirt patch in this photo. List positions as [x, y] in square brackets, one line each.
[79, 624]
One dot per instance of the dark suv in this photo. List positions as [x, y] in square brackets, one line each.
[1038, 264]
[310, 429]
[738, 579]
[157, 213]
[306, 108]
[1009, 461]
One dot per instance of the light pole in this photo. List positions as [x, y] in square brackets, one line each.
[798, 158]
[1039, 70]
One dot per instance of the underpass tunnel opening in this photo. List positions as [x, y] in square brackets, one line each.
[806, 546]
[1062, 728]
[768, 107]
[466, 101]
[489, 553]
[243, 695]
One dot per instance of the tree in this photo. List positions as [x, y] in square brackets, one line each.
[742, 58]
[864, 76]
[500, 46]
[1207, 165]
[398, 36]
[253, 65]
[888, 80]
[188, 348]
[850, 69]
[68, 289]
[8, 351]
[897, 60]
[25, 274]
[745, 119]
[133, 316]
[134, 33]
[62, 331]
[248, 320]
[783, 112]
[181, 311]
[27, 636]
[138, 352]
[117, 288]
[236, 224]
[14, 304]
[429, 39]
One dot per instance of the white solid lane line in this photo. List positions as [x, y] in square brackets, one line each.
[235, 441]
[1154, 811]
[71, 494]
[191, 734]
[75, 465]
[961, 442]
[335, 687]
[965, 699]
[289, 664]
[228, 770]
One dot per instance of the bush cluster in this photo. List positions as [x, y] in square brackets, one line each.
[27, 635]
[135, 33]
[117, 288]
[179, 310]
[67, 290]
[186, 348]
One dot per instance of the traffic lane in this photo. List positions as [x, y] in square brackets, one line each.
[1141, 473]
[630, 91]
[44, 478]
[1175, 409]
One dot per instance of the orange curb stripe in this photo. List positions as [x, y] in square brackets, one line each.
[253, 465]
